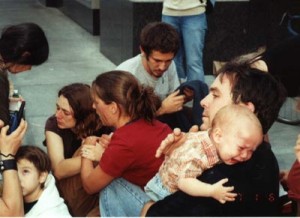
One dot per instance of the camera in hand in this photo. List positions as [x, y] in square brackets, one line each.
[15, 118]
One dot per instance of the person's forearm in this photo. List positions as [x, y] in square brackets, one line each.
[12, 194]
[86, 169]
[67, 168]
[12, 197]
[94, 179]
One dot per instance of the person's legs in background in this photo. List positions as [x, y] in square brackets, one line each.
[189, 58]
[193, 29]
[179, 59]
[122, 198]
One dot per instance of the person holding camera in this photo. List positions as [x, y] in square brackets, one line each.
[21, 47]
[11, 201]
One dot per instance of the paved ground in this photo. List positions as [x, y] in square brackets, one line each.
[75, 57]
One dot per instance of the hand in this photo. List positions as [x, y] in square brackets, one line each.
[92, 152]
[260, 64]
[14, 99]
[194, 128]
[297, 148]
[105, 139]
[9, 144]
[172, 141]
[93, 146]
[91, 140]
[189, 94]
[223, 193]
[172, 103]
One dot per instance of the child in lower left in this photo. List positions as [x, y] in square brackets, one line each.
[41, 197]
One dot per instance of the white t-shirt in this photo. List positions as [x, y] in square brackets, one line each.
[50, 204]
[163, 86]
[183, 7]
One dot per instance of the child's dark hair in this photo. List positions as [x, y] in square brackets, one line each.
[36, 156]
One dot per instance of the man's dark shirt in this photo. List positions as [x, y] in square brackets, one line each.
[256, 182]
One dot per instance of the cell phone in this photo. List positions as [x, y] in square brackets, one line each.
[16, 117]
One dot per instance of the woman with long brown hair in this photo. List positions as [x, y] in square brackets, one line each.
[74, 120]
[128, 162]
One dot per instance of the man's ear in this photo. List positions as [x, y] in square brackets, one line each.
[43, 177]
[250, 106]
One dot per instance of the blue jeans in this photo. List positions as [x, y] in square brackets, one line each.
[189, 59]
[122, 198]
[155, 189]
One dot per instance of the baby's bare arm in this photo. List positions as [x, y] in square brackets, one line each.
[195, 187]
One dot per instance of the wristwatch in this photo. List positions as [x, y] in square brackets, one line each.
[8, 165]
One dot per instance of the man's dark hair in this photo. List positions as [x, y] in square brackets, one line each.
[159, 36]
[255, 86]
